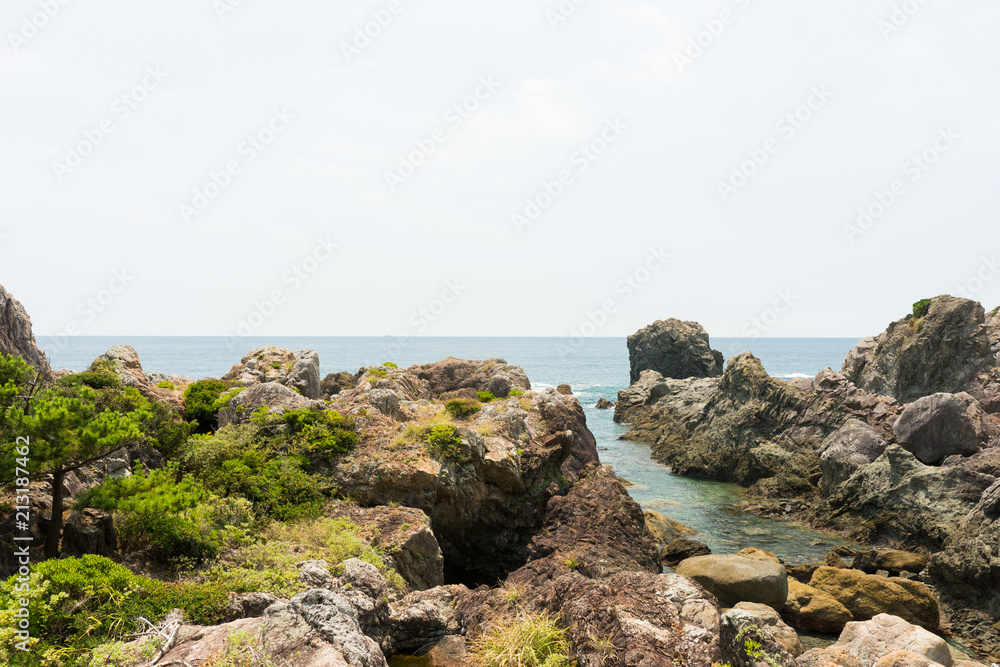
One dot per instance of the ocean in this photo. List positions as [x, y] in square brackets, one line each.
[594, 368]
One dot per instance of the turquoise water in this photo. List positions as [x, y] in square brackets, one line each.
[595, 368]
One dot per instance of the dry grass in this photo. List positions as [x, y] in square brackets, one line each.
[527, 640]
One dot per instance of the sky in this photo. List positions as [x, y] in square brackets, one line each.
[574, 168]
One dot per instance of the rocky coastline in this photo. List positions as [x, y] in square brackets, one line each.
[449, 511]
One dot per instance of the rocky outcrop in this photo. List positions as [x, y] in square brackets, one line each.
[604, 404]
[866, 596]
[973, 557]
[334, 383]
[874, 639]
[892, 561]
[768, 619]
[674, 349]
[299, 371]
[852, 447]
[664, 529]
[943, 351]
[486, 488]
[734, 579]
[16, 336]
[271, 395]
[746, 427]
[124, 362]
[941, 425]
[494, 375]
[681, 549]
[423, 618]
[740, 624]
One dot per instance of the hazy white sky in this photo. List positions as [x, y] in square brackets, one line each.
[227, 167]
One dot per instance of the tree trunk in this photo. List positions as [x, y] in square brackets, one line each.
[54, 532]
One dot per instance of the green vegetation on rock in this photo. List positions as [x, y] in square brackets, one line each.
[921, 308]
[462, 407]
[201, 403]
[527, 640]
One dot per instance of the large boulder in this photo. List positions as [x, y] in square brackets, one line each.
[872, 640]
[892, 561]
[738, 626]
[675, 349]
[494, 375]
[810, 608]
[854, 445]
[271, 395]
[89, 531]
[942, 351]
[734, 579]
[299, 371]
[868, 595]
[941, 425]
[16, 336]
[768, 618]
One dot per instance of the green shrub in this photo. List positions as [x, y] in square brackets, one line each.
[485, 396]
[529, 640]
[446, 442]
[200, 403]
[921, 308]
[311, 431]
[377, 372]
[166, 384]
[389, 364]
[516, 393]
[462, 407]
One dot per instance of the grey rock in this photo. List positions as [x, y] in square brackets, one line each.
[304, 374]
[734, 579]
[89, 531]
[784, 635]
[424, 617]
[250, 605]
[124, 361]
[675, 349]
[336, 620]
[315, 573]
[272, 395]
[883, 634]
[853, 446]
[738, 625]
[386, 401]
[941, 425]
[16, 336]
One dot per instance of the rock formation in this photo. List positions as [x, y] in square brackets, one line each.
[16, 336]
[674, 349]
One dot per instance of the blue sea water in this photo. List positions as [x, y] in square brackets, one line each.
[594, 368]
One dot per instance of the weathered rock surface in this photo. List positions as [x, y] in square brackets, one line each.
[973, 557]
[89, 531]
[272, 395]
[941, 425]
[874, 639]
[423, 618]
[893, 561]
[867, 596]
[810, 608]
[16, 336]
[853, 446]
[769, 619]
[832, 656]
[944, 351]
[299, 371]
[604, 404]
[738, 625]
[675, 349]
[334, 383]
[494, 375]
[664, 529]
[681, 549]
[734, 579]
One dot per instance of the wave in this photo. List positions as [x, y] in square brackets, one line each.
[796, 376]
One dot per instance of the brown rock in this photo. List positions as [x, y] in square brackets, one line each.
[867, 596]
[812, 609]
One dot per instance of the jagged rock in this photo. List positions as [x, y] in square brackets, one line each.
[812, 609]
[739, 625]
[681, 549]
[295, 370]
[675, 349]
[16, 336]
[424, 617]
[866, 596]
[734, 579]
[973, 557]
[124, 361]
[941, 352]
[334, 383]
[451, 651]
[89, 531]
[494, 375]
[664, 529]
[386, 401]
[872, 640]
[907, 500]
[893, 561]
[404, 533]
[335, 620]
[937, 426]
[769, 619]
[853, 446]
[565, 390]
[315, 573]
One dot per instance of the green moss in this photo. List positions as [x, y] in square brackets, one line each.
[166, 384]
[389, 364]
